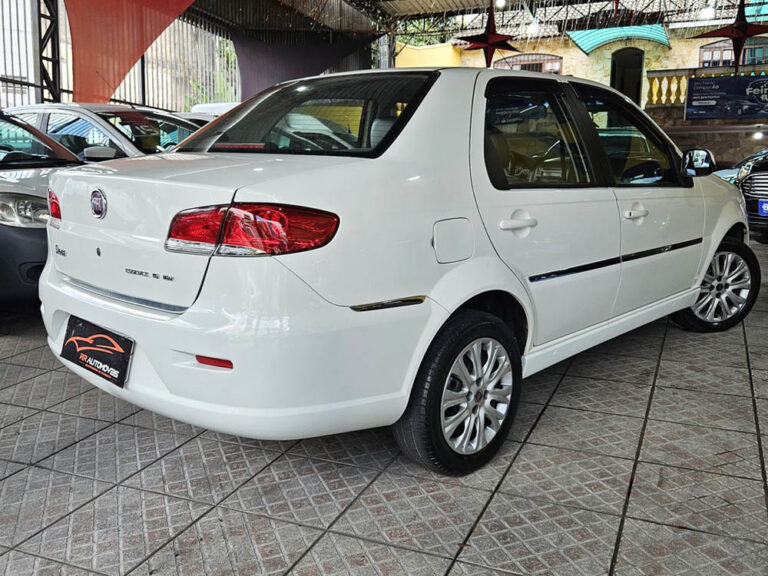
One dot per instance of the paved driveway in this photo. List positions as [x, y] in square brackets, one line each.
[640, 457]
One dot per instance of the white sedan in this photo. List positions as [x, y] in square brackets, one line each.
[459, 230]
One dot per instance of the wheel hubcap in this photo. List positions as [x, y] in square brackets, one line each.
[476, 396]
[725, 288]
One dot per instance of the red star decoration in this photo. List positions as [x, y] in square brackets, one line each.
[738, 32]
[489, 41]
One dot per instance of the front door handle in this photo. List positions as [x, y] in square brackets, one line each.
[635, 214]
[518, 223]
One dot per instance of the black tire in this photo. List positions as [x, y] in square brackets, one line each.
[419, 432]
[690, 321]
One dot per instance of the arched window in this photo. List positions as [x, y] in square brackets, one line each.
[531, 62]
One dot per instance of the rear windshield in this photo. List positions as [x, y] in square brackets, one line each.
[357, 115]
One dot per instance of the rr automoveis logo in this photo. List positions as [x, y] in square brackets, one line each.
[97, 343]
[758, 90]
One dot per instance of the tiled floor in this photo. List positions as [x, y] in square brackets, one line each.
[642, 456]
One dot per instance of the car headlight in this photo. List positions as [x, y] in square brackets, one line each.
[744, 171]
[23, 210]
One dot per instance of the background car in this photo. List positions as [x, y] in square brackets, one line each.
[198, 118]
[96, 132]
[27, 158]
[730, 174]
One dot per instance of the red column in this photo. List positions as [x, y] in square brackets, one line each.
[109, 37]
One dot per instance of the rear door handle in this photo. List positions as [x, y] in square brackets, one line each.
[518, 223]
[635, 214]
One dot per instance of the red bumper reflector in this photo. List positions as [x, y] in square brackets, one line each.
[218, 362]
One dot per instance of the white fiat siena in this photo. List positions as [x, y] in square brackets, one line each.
[388, 248]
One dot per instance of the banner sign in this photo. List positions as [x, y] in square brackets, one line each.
[727, 97]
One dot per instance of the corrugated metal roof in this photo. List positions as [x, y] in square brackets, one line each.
[590, 40]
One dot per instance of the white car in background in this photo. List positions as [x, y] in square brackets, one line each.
[97, 132]
[479, 226]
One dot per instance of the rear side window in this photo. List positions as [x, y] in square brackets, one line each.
[529, 140]
[637, 156]
[356, 115]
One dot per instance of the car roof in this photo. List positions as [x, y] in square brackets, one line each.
[90, 106]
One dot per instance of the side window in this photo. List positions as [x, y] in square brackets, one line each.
[31, 118]
[637, 156]
[529, 140]
[76, 133]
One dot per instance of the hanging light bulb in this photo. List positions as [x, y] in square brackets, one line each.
[500, 4]
[708, 12]
[758, 135]
[533, 27]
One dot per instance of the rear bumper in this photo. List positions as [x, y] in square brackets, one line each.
[302, 366]
[22, 258]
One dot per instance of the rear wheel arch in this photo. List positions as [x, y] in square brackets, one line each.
[504, 306]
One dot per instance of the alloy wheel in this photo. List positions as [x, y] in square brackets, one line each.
[725, 288]
[476, 397]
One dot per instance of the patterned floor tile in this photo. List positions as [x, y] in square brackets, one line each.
[96, 404]
[17, 563]
[760, 382]
[702, 448]
[227, 542]
[11, 374]
[613, 367]
[529, 537]
[147, 419]
[46, 390]
[762, 414]
[37, 358]
[466, 569]
[7, 468]
[608, 434]
[116, 531]
[272, 445]
[18, 343]
[414, 513]
[703, 408]
[203, 470]
[720, 349]
[336, 555]
[526, 417]
[645, 342]
[42, 434]
[758, 355]
[10, 413]
[114, 453]
[486, 478]
[649, 549]
[559, 368]
[569, 477]
[312, 492]
[699, 500]
[374, 448]
[706, 378]
[538, 388]
[610, 396]
[34, 498]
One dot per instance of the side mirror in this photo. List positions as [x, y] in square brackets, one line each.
[99, 153]
[698, 162]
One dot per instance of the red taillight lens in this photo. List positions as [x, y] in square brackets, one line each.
[196, 230]
[252, 229]
[54, 208]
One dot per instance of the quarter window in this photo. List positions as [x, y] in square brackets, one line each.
[529, 140]
[637, 156]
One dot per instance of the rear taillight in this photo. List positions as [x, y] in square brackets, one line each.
[54, 208]
[196, 231]
[251, 230]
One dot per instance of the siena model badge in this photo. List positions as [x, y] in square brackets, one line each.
[98, 204]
